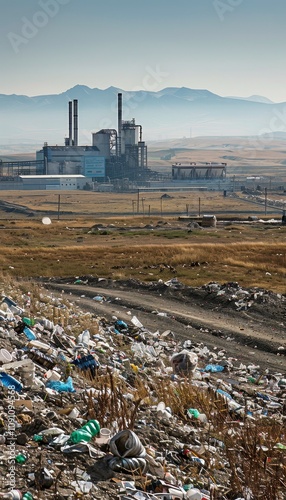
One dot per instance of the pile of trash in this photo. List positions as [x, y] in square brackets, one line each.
[230, 293]
[91, 408]
[243, 299]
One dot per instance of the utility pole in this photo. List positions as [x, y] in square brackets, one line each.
[59, 206]
[138, 201]
[199, 207]
[143, 209]
[265, 200]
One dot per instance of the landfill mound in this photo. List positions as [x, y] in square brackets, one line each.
[106, 408]
[229, 295]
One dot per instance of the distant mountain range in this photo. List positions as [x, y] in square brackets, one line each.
[169, 113]
[254, 98]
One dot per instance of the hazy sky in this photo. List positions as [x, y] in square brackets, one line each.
[230, 47]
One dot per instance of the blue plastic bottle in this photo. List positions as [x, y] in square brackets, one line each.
[10, 382]
[29, 334]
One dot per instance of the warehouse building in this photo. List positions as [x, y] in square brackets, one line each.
[52, 182]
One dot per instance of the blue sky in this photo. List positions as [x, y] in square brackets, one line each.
[230, 47]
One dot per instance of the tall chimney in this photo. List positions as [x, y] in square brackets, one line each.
[75, 122]
[70, 123]
[119, 122]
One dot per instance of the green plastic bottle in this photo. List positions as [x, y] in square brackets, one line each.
[193, 412]
[21, 459]
[28, 321]
[27, 496]
[86, 432]
[37, 438]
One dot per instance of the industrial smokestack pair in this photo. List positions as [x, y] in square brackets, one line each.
[73, 117]
[73, 123]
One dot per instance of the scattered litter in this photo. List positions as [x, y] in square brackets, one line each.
[145, 414]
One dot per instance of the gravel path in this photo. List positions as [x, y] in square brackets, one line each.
[252, 336]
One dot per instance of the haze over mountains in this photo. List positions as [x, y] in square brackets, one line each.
[169, 113]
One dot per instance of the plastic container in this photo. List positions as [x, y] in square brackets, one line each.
[52, 375]
[193, 413]
[9, 302]
[161, 406]
[86, 432]
[21, 459]
[104, 436]
[48, 325]
[5, 356]
[28, 321]
[194, 494]
[42, 359]
[12, 495]
[10, 382]
[29, 334]
[74, 413]
[203, 418]
[40, 345]
[28, 496]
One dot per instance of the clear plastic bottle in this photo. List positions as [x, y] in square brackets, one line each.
[12, 495]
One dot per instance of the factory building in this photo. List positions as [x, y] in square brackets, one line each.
[202, 171]
[72, 160]
[113, 154]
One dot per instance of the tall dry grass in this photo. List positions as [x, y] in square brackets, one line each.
[250, 263]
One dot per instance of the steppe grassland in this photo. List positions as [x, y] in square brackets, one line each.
[253, 255]
[84, 204]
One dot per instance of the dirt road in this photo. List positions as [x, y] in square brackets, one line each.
[254, 336]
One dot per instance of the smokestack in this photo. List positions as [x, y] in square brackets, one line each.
[70, 123]
[75, 122]
[119, 122]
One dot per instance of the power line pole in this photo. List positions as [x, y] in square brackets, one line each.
[59, 206]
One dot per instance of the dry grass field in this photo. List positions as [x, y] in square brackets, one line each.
[245, 156]
[143, 204]
[159, 246]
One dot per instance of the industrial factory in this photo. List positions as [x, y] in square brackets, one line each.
[114, 158]
[113, 154]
